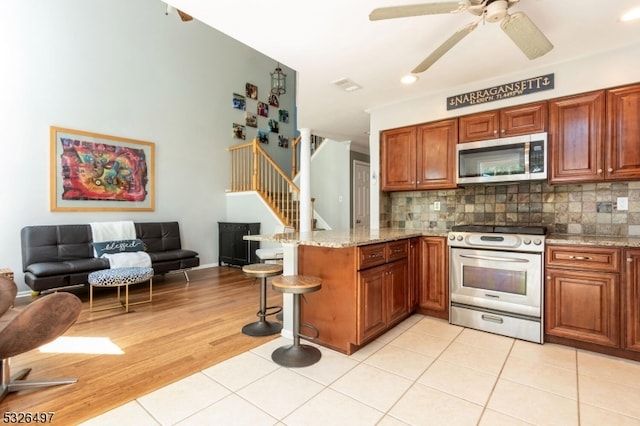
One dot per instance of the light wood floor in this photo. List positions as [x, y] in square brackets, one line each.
[187, 328]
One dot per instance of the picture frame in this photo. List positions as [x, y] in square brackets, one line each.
[251, 91]
[98, 172]
[239, 102]
[239, 131]
[263, 109]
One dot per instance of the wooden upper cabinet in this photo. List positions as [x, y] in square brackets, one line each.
[479, 127]
[524, 119]
[622, 155]
[419, 157]
[436, 155]
[513, 121]
[576, 138]
[398, 159]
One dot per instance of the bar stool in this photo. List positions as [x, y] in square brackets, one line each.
[296, 355]
[262, 327]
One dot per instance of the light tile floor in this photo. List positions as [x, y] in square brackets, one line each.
[423, 372]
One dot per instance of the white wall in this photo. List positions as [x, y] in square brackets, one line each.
[123, 68]
[331, 184]
[599, 71]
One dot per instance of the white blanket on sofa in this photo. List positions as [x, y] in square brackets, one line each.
[112, 231]
[115, 231]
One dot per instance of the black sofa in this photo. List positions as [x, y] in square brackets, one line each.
[56, 256]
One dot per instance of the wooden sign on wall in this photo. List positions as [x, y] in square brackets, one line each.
[503, 91]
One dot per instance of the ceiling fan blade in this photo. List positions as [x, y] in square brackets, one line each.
[526, 35]
[444, 47]
[184, 16]
[417, 10]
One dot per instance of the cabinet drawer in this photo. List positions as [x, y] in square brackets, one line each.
[591, 258]
[397, 250]
[371, 255]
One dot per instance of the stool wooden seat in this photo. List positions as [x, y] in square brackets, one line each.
[263, 327]
[296, 355]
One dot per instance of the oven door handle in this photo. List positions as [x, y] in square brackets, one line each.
[497, 259]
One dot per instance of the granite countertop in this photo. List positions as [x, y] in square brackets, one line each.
[359, 237]
[593, 240]
[344, 238]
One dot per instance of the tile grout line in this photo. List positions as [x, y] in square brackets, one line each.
[493, 388]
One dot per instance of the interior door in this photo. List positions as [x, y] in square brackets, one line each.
[361, 197]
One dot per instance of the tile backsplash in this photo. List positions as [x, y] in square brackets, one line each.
[589, 209]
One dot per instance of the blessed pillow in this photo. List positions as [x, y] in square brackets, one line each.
[119, 246]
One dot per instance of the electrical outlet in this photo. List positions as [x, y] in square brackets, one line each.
[623, 203]
[436, 206]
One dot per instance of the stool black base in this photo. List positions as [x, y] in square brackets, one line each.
[262, 328]
[296, 355]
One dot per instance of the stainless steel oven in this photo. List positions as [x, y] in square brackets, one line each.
[496, 279]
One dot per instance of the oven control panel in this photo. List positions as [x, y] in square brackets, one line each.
[514, 242]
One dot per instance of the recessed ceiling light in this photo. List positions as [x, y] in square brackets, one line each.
[631, 15]
[409, 79]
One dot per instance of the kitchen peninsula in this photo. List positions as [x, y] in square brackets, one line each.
[369, 278]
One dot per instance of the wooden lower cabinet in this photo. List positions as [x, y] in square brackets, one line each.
[591, 301]
[362, 294]
[631, 301]
[583, 305]
[433, 292]
[383, 298]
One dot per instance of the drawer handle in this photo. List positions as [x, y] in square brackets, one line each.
[397, 251]
[492, 318]
[580, 257]
[374, 255]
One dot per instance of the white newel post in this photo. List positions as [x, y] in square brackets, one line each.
[290, 255]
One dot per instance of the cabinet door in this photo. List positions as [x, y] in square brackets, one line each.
[523, 119]
[397, 291]
[576, 137]
[371, 308]
[583, 305]
[434, 277]
[623, 133]
[631, 302]
[436, 155]
[479, 127]
[414, 272]
[398, 159]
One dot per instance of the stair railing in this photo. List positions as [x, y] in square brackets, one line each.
[295, 151]
[253, 170]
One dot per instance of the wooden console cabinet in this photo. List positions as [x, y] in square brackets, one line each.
[365, 291]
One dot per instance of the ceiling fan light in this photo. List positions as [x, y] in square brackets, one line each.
[631, 15]
[409, 79]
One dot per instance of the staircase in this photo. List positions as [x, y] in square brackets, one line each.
[252, 169]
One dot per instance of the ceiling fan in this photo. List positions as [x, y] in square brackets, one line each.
[518, 26]
[183, 16]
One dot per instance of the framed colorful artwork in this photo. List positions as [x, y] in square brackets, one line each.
[96, 172]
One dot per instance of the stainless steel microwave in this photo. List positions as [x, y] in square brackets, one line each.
[512, 159]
